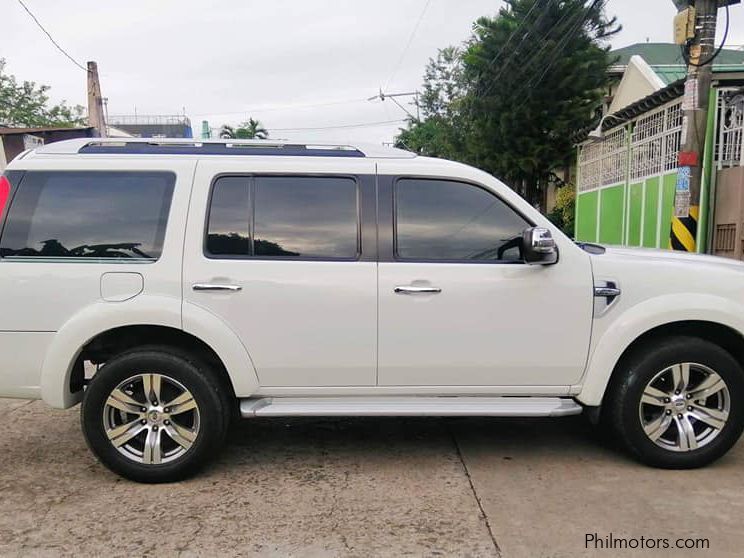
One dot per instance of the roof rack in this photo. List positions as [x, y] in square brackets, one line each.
[179, 146]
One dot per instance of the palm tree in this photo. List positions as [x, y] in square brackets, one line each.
[252, 129]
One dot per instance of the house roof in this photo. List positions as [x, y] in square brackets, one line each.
[666, 60]
[5, 131]
[666, 54]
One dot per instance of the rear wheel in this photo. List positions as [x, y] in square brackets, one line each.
[154, 414]
[674, 405]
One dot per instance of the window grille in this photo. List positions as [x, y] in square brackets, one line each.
[654, 148]
[655, 142]
[603, 162]
[730, 152]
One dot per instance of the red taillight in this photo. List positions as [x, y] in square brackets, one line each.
[4, 192]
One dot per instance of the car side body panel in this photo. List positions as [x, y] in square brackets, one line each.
[657, 288]
[89, 298]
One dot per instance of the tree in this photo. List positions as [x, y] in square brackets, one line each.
[27, 105]
[531, 77]
[439, 133]
[563, 214]
[252, 129]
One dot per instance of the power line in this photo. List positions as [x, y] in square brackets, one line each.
[55, 43]
[524, 66]
[501, 51]
[360, 125]
[564, 42]
[280, 107]
[560, 47]
[573, 22]
[408, 44]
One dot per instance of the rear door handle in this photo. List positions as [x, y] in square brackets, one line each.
[413, 289]
[215, 287]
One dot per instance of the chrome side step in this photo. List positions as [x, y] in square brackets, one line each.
[396, 406]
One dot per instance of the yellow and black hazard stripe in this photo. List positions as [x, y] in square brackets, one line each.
[684, 231]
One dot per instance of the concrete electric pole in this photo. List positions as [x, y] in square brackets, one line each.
[96, 117]
[695, 30]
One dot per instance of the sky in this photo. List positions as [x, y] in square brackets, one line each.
[304, 68]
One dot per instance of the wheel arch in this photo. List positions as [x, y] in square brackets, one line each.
[112, 342]
[724, 335]
[144, 320]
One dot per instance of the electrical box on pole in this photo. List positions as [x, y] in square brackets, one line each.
[684, 26]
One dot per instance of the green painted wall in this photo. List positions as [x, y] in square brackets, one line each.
[651, 212]
[642, 208]
[667, 208]
[586, 216]
[611, 212]
[635, 214]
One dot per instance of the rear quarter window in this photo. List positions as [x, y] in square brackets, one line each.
[88, 214]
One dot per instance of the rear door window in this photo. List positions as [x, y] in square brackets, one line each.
[89, 214]
[288, 217]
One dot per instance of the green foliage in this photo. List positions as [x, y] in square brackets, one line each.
[438, 134]
[510, 100]
[251, 129]
[563, 214]
[26, 105]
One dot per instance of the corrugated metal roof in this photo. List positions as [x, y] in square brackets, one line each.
[671, 73]
[664, 54]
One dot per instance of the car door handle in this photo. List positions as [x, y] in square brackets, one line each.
[413, 289]
[215, 287]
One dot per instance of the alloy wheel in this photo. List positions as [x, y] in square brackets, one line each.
[684, 407]
[151, 419]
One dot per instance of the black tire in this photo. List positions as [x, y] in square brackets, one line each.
[642, 366]
[208, 393]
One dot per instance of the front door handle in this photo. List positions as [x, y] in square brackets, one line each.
[215, 287]
[413, 289]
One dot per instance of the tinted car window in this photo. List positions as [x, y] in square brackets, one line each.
[229, 217]
[313, 217]
[284, 216]
[89, 215]
[444, 220]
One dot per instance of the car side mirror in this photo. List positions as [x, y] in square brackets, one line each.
[538, 246]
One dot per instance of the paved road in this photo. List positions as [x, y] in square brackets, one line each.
[360, 487]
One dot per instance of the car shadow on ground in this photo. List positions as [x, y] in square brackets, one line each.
[361, 435]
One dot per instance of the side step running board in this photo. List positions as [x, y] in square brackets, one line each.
[408, 406]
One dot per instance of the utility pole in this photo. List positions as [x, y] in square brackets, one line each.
[415, 94]
[96, 117]
[695, 27]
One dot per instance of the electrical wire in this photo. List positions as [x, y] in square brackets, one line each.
[515, 51]
[573, 28]
[526, 65]
[280, 107]
[55, 43]
[408, 44]
[360, 125]
[564, 42]
[501, 51]
[713, 56]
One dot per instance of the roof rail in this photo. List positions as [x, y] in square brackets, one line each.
[181, 146]
[228, 147]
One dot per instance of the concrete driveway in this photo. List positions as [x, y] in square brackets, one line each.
[361, 487]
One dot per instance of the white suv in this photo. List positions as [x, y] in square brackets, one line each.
[173, 285]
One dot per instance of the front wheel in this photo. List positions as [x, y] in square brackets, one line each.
[153, 415]
[677, 403]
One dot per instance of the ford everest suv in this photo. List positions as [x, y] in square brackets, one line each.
[173, 285]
